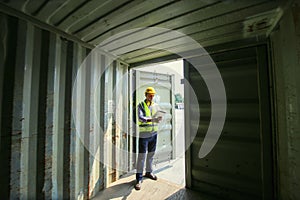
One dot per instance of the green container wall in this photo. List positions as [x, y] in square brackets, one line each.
[240, 164]
[52, 116]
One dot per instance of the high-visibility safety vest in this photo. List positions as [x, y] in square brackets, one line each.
[147, 126]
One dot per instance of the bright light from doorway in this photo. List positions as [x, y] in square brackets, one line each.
[173, 170]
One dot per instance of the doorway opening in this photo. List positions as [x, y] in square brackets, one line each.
[169, 163]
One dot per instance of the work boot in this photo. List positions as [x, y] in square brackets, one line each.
[138, 185]
[151, 176]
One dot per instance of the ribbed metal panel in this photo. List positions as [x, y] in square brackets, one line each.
[207, 22]
[52, 117]
[8, 52]
[235, 168]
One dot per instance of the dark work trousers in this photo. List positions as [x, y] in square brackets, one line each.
[145, 144]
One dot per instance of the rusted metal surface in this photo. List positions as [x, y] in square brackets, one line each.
[42, 152]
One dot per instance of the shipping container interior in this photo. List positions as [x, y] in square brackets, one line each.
[71, 73]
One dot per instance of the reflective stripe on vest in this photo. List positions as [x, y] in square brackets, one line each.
[147, 126]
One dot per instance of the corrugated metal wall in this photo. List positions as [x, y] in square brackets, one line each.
[48, 117]
[240, 165]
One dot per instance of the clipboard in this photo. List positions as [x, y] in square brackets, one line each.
[159, 113]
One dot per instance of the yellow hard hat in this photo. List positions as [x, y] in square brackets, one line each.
[150, 90]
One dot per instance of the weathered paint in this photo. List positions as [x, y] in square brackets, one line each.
[16, 35]
[8, 49]
[17, 113]
[30, 114]
[43, 153]
[47, 188]
[286, 58]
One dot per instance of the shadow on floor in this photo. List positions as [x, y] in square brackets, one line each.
[187, 194]
[119, 191]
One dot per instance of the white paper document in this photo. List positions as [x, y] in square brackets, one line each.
[159, 113]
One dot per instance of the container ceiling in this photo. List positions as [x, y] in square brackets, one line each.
[94, 22]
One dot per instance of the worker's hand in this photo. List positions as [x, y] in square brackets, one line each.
[157, 120]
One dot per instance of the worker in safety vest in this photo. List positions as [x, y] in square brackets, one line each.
[147, 136]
